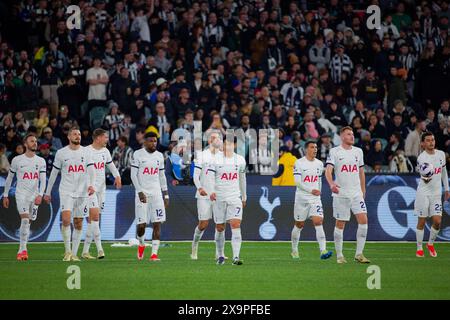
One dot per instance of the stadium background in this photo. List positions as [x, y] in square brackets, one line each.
[268, 215]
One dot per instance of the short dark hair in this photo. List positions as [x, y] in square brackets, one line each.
[27, 136]
[123, 139]
[150, 135]
[425, 135]
[309, 142]
[98, 132]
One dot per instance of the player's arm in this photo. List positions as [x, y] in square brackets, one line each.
[91, 176]
[113, 169]
[444, 177]
[57, 165]
[329, 172]
[8, 182]
[42, 183]
[134, 175]
[243, 185]
[362, 174]
[213, 183]
[197, 172]
[163, 183]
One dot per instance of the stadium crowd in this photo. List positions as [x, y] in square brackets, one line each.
[306, 68]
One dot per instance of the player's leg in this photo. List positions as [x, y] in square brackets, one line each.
[436, 218]
[341, 212]
[96, 225]
[317, 221]
[234, 217]
[141, 212]
[81, 211]
[204, 207]
[157, 217]
[359, 208]
[219, 208]
[24, 207]
[67, 205]
[421, 209]
[93, 205]
[300, 215]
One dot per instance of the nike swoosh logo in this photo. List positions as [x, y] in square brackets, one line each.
[341, 158]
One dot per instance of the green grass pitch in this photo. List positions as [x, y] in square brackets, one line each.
[268, 273]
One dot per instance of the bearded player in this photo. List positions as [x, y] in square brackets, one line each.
[149, 179]
[428, 203]
[101, 158]
[348, 191]
[203, 176]
[30, 171]
[76, 186]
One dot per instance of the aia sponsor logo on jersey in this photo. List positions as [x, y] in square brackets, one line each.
[229, 176]
[76, 168]
[311, 179]
[30, 176]
[349, 168]
[150, 171]
[99, 165]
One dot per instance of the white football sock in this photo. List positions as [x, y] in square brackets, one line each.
[141, 240]
[433, 235]
[97, 235]
[66, 232]
[320, 236]
[220, 243]
[198, 234]
[338, 241]
[155, 246]
[419, 239]
[87, 238]
[236, 241]
[361, 236]
[76, 239]
[24, 233]
[295, 238]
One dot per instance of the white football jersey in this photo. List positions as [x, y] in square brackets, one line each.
[27, 171]
[205, 162]
[347, 164]
[74, 174]
[101, 158]
[310, 173]
[148, 165]
[434, 187]
[226, 182]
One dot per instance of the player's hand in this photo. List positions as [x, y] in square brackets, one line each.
[6, 202]
[447, 195]
[166, 202]
[316, 192]
[175, 182]
[244, 203]
[213, 196]
[91, 190]
[118, 183]
[202, 192]
[38, 200]
[142, 197]
[334, 188]
[48, 198]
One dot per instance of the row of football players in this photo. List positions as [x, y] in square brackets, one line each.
[221, 192]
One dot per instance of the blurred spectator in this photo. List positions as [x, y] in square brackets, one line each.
[48, 138]
[42, 120]
[49, 83]
[4, 163]
[97, 78]
[122, 155]
[375, 157]
[44, 152]
[324, 146]
[412, 143]
[17, 151]
[395, 143]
